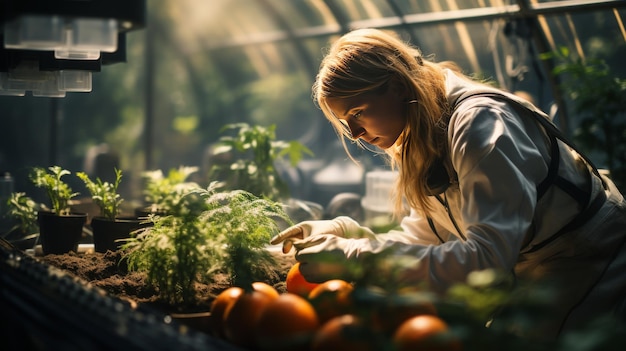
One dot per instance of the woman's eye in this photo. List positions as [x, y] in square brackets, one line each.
[357, 115]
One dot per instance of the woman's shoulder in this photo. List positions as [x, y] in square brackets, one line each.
[473, 109]
[479, 115]
[461, 89]
[458, 85]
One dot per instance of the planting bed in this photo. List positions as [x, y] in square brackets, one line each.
[108, 272]
[80, 301]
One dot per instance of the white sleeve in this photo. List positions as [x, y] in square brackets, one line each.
[416, 230]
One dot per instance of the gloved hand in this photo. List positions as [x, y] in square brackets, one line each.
[341, 226]
[324, 257]
[304, 230]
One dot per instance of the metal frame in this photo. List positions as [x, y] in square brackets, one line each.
[523, 9]
[476, 14]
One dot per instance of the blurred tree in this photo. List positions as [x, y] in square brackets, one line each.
[599, 98]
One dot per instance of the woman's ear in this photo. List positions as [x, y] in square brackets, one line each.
[399, 89]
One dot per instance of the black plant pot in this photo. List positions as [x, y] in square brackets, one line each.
[60, 234]
[20, 239]
[146, 211]
[106, 232]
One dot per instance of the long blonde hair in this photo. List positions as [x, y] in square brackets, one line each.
[369, 61]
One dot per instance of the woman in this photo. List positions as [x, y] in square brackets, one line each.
[488, 183]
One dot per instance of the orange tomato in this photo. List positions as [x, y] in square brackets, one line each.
[331, 299]
[295, 282]
[286, 323]
[219, 306]
[398, 308]
[265, 288]
[345, 332]
[241, 316]
[425, 332]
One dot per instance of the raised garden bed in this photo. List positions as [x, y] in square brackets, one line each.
[108, 272]
[88, 301]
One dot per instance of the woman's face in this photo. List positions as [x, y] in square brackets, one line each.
[377, 119]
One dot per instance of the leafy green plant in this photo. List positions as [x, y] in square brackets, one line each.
[600, 99]
[162, 191]
[59, 193]
[104, 194]
[175, 251]
[243, 225]
[491, 307]
[204, 232]
[24, 210]
[514, 310]
[258, 150]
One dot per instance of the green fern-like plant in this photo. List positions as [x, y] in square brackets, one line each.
[244, 225]
[175, 253]
[204, 232]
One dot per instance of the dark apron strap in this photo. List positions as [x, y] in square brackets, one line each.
[575, 223]
[552, 178]
[540, 118]
[432, 227]
[553, 168]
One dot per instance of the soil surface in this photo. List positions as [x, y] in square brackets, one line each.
[108, 272]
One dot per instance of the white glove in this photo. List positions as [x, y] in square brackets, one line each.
[304, 230]
[341, 227]
[324, 257]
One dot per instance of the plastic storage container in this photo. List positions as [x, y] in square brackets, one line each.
[377, 203]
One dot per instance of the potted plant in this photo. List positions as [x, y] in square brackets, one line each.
[108, 228]
[254, 155]
[254, 170]
[60, 229]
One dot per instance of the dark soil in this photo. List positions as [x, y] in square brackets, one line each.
[108, 272]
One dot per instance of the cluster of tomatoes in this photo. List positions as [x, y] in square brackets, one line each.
[327, 316]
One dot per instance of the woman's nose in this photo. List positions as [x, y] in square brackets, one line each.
[356, 131]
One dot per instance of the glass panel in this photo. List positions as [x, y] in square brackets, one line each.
[599, 33]
[302, 14]
[436, 6]
[355, 10]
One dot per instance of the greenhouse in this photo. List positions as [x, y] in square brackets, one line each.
[238, 139]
